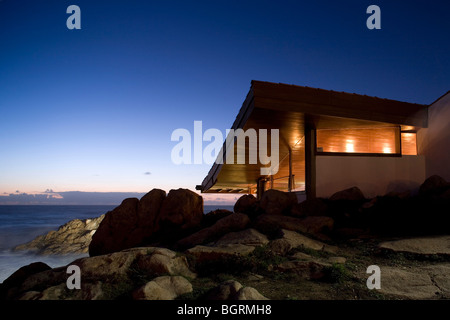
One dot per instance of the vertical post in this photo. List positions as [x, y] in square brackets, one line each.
[310, 162]
[290, 170]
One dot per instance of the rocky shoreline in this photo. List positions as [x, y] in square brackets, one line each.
[163, 247]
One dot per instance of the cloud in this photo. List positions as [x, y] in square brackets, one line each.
[147, 173]
[48, 191]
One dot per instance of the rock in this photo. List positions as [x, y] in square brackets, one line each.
[275, 202]
[163, 288]
[224, 291]
[317, 224]
[295, 240]
[24, 272]
[30, 295]
[72, 237]
[233, 290]
[309, 207]
[436, 245]
[311, 270]
[204, 253]
[271, 224]
[249, 293]
[164, 261]
[249, 237]
[128, 225]
[247, 204]
[433, 184]
[351, 194]
[407, 284]
[213, 216]
[232, 222]
[279, 247]
[182, 209]
[112, 265]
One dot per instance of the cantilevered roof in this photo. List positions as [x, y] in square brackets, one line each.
[289, 108]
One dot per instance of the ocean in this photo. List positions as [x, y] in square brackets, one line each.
[21, 224]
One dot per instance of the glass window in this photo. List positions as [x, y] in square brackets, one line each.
[360, 140]
[409, 143]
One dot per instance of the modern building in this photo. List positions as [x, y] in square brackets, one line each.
[330, 141]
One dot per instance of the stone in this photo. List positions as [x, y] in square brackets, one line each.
[224, 291]
[433, 184]
[351, 194]
[164, 261]
[296, 240]
[23, 273]
[181, 209]
[233, 290]
[247, 204]
[309, 269]
[249, 293]
[72, 237]
[309, 207]
[232, 222]
[213, 216]
[279, 247]
[163, 288]
[317, 224]
[338, 260]
[407, 284]
[275, 202]
[209, 253]
[271, 224]
[439, 245]
[249, 237]
[129, 224]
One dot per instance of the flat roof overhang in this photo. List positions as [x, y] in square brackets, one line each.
[290, 109]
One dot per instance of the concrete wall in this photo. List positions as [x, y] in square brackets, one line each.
[373, 175]
[434, 141]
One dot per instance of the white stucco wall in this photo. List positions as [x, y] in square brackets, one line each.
[434, 141]
[373, 175]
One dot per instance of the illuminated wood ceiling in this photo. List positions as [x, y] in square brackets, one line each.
[289, 109]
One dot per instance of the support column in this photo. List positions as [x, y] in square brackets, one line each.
[310, 162]
[290, 171]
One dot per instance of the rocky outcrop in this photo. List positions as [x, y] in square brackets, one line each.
[135, 222]
[232, 222]
[181, 209]
[72, 237]
[163, 288]
[128, 225]
[277, 202]
[212, 253]
[247, 204]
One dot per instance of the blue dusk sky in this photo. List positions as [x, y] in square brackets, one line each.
[93, 109]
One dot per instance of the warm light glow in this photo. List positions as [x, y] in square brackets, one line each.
[349, 147]
[387, 150]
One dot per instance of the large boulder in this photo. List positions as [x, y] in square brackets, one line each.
[277, 202]
[182, 209]
[432, 185]
[232, 222]
[163, 288]
[247, 204]
[350, 194]
[128, 225]
[73, 237]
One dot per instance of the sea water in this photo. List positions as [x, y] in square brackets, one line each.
[21, 224]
